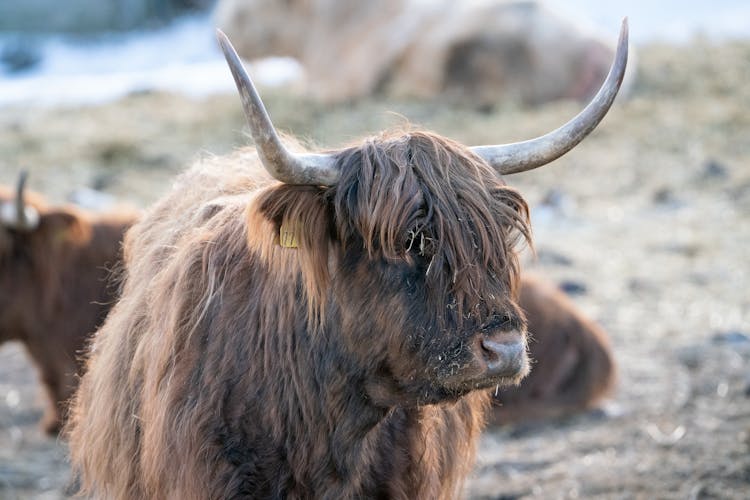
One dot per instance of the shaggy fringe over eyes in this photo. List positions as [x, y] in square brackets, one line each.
[414, 195]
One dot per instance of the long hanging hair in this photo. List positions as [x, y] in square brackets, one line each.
[408, 196]
[206, 255]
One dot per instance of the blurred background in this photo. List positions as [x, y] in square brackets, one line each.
[91, 51]
[646, 225]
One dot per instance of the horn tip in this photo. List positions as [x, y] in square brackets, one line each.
[230, 54]
[624, 28]
[23, 175]
[222, 38]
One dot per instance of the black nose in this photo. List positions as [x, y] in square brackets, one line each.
[505, 354]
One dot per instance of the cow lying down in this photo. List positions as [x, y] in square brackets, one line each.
[573, 368]
[54, 288]
[319, 325]
[472, 51]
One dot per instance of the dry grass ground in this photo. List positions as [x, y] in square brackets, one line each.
[650, 217]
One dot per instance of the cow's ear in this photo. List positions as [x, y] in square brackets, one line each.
[301, 218]
[301, 215]
[64, 226]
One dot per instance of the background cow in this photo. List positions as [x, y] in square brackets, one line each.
[54, 288]
[573, 367]
[477, 51]
[327, 336]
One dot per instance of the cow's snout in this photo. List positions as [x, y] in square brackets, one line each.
[504, 353]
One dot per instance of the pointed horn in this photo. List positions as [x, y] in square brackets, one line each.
[290, 168]
[21, 219]
[527, 155]
[16, 214]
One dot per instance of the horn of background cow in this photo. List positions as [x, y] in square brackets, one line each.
[290, 168]
[15, 214]
[21, 219]
[527, 155]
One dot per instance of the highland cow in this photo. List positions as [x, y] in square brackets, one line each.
[331, 335]
[573, 368]
[54, 291]
[473, 52]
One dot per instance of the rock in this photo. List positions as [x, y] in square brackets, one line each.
[19, 55]
[641, 285]
[573, 287]
[731, 337]
[666, 198]
[103, 179]
[713, 169]
[556, 198]
[692, 357]
[552, 257]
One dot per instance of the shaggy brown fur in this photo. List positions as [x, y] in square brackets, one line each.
[232, 367]
[573, 365]
[54, 290]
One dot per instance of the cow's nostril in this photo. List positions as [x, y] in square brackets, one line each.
[504, 355]
[490, 355]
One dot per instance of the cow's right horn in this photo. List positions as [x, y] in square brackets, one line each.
[16, 214]
[527, 155]
[290, 168]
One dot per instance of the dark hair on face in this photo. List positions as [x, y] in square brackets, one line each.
[421, 197]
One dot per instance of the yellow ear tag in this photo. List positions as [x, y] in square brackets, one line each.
[288, 236]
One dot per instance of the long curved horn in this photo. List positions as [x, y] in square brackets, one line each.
[522, 156]
[290, 168]
[16, 214]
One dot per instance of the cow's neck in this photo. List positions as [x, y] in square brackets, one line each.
[366, 447]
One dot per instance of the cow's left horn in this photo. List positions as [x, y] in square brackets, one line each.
[291, 168]
[16, 214]
[527, 155]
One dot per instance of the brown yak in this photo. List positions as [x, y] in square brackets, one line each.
[331, 335]
[54, 292]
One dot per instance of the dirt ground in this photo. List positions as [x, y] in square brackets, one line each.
[649, 219]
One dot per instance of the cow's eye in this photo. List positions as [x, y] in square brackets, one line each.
[419, 243]
[499, 321]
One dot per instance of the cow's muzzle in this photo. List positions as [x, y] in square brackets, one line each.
[502, 354]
